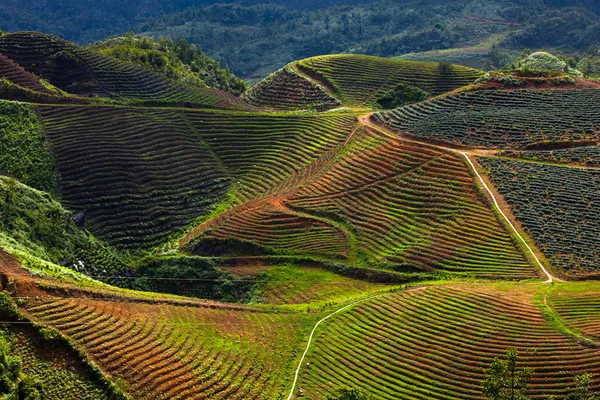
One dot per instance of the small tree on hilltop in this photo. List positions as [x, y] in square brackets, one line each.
[504, 380]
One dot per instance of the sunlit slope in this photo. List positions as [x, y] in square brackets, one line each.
[353, 80]
[382, 202]
[434, 343]
[178, 349]
[578, 304]
[139, 174]
[507, 118]
[83, 72]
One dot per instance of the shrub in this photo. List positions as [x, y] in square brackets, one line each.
[402, 95]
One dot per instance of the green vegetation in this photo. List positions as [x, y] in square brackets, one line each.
[24, 152]
[86, 73]
[435, 343]
[14, 384]
[400, 96]
[178, 60]
[178, 349]
[547, 62]
[188, 276]
[504, 380]
[557, 207]
[349, 394]
[495, 118]
[37, 228]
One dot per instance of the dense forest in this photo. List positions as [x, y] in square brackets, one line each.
[256, 37]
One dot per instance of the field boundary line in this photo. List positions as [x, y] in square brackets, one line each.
[550, 277]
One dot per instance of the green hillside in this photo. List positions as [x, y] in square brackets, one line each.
[164, 241]
[356, 81]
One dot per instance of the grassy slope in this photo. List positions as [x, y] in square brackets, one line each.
[434, 343]
[382, 202]
[162, 168]
[353, 80]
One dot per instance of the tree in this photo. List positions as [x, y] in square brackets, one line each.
[504, 380]
[496, 59]
[445, 67]
[582, 389]
[350, 394]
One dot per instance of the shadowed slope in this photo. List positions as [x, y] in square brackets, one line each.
[83, 72]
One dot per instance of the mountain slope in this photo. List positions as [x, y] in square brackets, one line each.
[82, 72]
[355, 81]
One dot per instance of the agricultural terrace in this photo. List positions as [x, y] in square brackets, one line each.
[141, 173]
[501, 118]
[588, 156]
[359, 80]
[63, 375]
[11, 71]
[81, 71]
[384, 202]
[578, 304]
[288, 284]
[412, 207]
[176, 351]
[557, 206]
[435, 342]
[287, 89]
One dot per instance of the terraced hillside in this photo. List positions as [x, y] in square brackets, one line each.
[557, 206]
[80, 71]
[501, 118]
[13, 72]
[353, 80]
[287, 89]
[138, 174]
[588, 155]
[180, 351]
[434, 343]
[578, 305]
[383, 202]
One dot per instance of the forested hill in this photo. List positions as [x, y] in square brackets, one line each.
[257, 37]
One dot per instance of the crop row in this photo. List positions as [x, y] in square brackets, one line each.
[139, 174]
[502, 118]
[281, 230]
[14, 73]
[62, 377]
[578, 304]
[288, 90]
[180, 352]
[435, 343]
[586, 156]
[361, 80]
[412, 207]
[81, 71]
[557, 206]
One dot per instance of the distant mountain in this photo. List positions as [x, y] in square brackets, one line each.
[257, 37]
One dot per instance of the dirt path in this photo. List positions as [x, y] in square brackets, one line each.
[366, 120]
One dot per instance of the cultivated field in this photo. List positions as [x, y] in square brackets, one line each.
[433, 343]
[352, 80]
[557, 206]
[501, 118]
